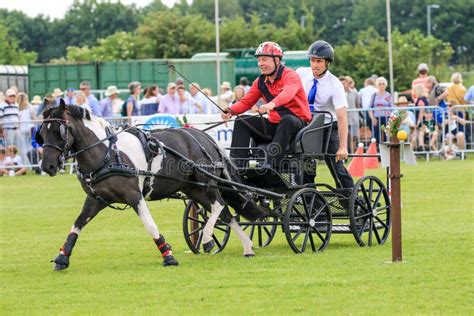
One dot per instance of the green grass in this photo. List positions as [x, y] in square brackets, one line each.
[115, 268]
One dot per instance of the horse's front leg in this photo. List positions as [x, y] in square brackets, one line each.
[90, 209]
[144, 213]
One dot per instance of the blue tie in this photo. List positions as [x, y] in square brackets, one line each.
[312, 95]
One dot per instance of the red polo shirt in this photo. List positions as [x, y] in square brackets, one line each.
[288, 92]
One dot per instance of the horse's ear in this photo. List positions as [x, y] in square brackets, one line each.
[62, 104]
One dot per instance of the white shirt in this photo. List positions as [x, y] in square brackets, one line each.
[366, 94]
[330, 95]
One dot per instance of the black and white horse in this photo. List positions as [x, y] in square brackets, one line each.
[71, 129]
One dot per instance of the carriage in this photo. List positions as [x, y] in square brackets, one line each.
[133, 166]
[308, 214]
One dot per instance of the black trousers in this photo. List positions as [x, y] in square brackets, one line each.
[256, 127]
[338, 171]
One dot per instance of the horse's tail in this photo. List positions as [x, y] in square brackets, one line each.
[243, 205]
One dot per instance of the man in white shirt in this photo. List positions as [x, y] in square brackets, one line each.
[326, 93]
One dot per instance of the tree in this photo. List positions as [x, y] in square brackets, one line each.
[369, 55]
[170, 35]
[10, 53]
[227, 9]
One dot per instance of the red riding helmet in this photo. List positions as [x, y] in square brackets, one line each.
[271, 49]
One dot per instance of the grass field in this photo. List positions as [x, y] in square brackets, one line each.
[115, 268]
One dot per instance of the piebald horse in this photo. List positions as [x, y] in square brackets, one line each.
[73, 131]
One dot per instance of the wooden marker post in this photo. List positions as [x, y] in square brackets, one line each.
[396, 199]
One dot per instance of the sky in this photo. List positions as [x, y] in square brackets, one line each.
[58, 8]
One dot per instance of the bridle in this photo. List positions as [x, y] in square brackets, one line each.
[63, 133]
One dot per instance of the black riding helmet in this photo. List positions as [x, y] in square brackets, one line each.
[321, 49]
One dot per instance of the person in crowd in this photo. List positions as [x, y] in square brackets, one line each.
[454, 127]
[12, 159]
[352, 84]
[2, 97]
[239, 93]
[85, 87]
[429, 132]
[35, 103]
[436, 93]
[225, 96]
[47, 103]
[26, 125]
[422, 78]
[151, 100]
[106, 104]
[188, 104]
[135, 89]
[380, 104]
[3, 170]
[244, 82]
[326, 93]
[456, 91]
[180, 82]
[200, 97]
[421, 95]
[81, 100]
[170, 103]
[365, 97]
[408, 124]
[15, 88]
[57, 94]
[69, 99]
[352, 117]
[10, 116]
[285, 103]
[469, 96]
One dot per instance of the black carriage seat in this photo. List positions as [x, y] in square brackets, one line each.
[310, 139]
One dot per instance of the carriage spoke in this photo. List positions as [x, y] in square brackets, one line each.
[377, 234]
[371, 188]
[220, 228]
[313, 247]
[305, 241]
[381, 222]
[319, 234]
[377, 198]
[299, 213]
[359, 233]
[252, 230]
[362, 216]
[196, 230]
[364, 192]
[269, 234]
[198, 241]
[298, 233]
[260, 241]
[196, 220]
[383, 208]
[371, 224]
[362, 206]
[216, 240]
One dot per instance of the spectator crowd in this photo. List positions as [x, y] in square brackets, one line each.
[369, 109]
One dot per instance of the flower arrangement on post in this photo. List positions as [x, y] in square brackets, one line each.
[393, 123]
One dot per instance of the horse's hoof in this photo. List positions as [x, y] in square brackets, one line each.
[249, 255]
[208, 246]
[169, 261]
[62, 262]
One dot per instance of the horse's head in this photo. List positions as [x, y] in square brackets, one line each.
[56, 136]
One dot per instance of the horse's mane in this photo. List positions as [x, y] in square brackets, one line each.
[75, 111]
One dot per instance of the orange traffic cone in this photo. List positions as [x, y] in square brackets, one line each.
[371, 162]
[356, 167]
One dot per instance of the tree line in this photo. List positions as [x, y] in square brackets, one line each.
[96, 30]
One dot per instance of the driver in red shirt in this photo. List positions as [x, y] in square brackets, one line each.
[285, 103]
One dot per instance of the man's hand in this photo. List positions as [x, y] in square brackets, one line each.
[341, 154]
[226, 114]
[266, 108]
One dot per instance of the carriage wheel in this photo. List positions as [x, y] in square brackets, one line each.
[261, 235]
[370, 211]
[307, 221]
[194, 219]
